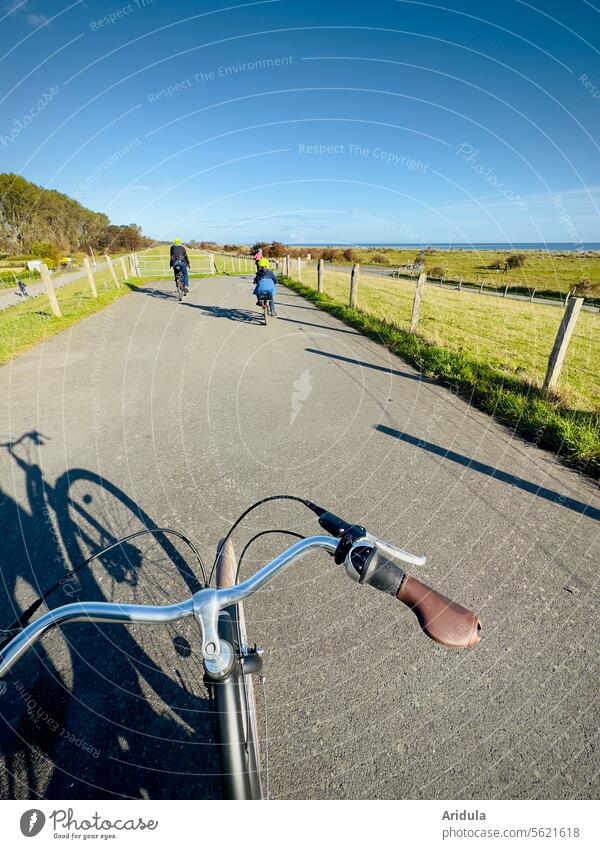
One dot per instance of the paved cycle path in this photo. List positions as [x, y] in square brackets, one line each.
[181, 415]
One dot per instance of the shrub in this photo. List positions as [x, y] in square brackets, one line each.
[436, 271]
[348, 254]
[44, 250]
[516, 260]
[276, 249]
[380, 259]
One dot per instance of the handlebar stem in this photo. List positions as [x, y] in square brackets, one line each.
[208, 603]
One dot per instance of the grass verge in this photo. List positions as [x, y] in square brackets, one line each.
[574, 435]
[29, 323]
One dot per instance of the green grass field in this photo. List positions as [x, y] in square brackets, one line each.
[543, 271]
[31, 322]
[514, 337]
[495, 349]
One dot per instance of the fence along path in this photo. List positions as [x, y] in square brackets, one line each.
[12, 298]
[157, 264]
[522, 337]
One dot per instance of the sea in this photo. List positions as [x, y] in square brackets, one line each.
[560, 247]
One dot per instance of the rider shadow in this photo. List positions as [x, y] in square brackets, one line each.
[98, 711]
[162, 294]
[245, 316]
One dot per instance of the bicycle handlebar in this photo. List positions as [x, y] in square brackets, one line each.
[90, 611]
[365, 560]
[205, 605]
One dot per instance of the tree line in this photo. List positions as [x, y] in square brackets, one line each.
[30, 215]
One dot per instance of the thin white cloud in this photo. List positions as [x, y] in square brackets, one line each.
[585, 196]
[37, 20]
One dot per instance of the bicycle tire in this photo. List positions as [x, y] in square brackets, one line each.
[234, 700]
[179, 285]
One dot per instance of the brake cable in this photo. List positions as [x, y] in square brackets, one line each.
[304, 501]
[24, 617]
[262, 534]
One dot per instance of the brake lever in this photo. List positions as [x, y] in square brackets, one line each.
[397, 553]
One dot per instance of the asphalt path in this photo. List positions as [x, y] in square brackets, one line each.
[154, 413]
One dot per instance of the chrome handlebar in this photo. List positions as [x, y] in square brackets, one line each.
[204, 605]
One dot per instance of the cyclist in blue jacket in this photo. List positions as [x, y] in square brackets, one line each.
[264, 284]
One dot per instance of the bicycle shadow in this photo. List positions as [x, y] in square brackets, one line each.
[151, 291]
[231, 313]
[97, 711]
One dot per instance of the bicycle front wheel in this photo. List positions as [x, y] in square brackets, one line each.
[234, 700]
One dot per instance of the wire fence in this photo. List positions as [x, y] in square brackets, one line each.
[515, 336]
[86, 280]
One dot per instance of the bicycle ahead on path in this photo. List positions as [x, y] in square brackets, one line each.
[229, 660]
[264, 302]
[179, 284]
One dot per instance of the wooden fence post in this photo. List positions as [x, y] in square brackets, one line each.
[299, 270]
[88, 269]
[49, 287]
[416, 310]
[112, 270]
[211, 262]
[123, 268]
[561, 343]
[353, 285]
[320, 276]
[135, 269]
[505, 290]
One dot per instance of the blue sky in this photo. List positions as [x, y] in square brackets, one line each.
[311, 122]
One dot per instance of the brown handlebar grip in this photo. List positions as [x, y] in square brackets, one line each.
[443, 620]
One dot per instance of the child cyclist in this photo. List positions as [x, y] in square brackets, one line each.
[264, 284]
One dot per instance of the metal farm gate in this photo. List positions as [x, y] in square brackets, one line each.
[157, 265]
